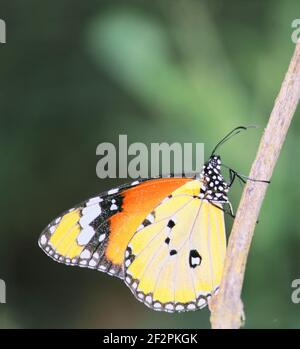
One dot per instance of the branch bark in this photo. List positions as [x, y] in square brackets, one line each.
[227, 307]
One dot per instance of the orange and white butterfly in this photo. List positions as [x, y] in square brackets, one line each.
[165, 237]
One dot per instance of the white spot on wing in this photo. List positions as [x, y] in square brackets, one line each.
[102, 237]
[113, 207]
[179, 307]
[150, 218]
[196, 260]
[89, 214]
[93, 201]
[191, 306]
[92, 263]
[85, 235]
[43, 240]
[170, 307]
[85, 254]
[148, 299]
[113, 191]
[201, 302]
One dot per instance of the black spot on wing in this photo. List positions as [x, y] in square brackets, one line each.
[194, 258]
[173, 252]
[146, 222]
[149, 219]
[171, 224]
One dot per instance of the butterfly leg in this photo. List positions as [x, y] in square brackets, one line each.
[230, 212]
[243, 179]
[233, 175]
[231, 209]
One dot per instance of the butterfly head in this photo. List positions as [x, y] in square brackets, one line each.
[214, 163]
[214, 187]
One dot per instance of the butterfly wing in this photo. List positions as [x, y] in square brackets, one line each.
[174, 261]
[95, 233]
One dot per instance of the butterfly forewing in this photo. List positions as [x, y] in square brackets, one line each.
[95, 234]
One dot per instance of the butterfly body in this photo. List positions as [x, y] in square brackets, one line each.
[165, 237]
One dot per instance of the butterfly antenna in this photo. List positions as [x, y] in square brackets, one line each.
[232, 133]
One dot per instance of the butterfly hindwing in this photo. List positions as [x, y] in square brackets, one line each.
[95, 233]
[175, 259]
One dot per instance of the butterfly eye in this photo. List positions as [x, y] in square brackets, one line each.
[215, 162]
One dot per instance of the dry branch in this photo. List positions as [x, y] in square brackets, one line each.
[227, 307]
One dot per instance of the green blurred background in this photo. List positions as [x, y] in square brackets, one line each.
[74, 74]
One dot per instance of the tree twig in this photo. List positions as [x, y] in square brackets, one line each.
[227, 307]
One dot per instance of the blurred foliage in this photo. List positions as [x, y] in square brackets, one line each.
[74, 74]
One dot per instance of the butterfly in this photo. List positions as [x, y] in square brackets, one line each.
[164, 237]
